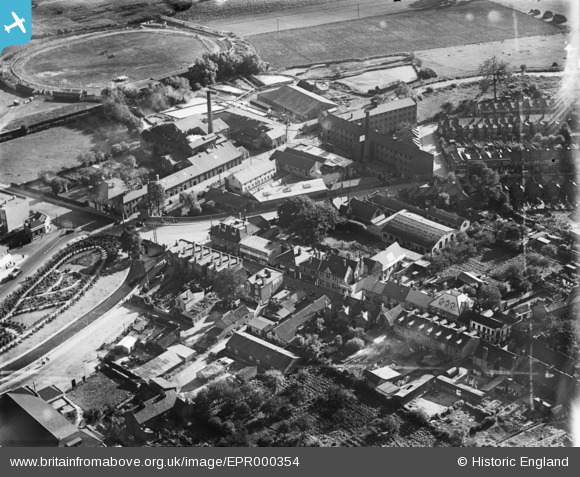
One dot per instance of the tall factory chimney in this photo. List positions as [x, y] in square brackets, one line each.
[367, 144]
[209, 113]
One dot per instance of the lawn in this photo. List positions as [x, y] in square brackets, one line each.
[469, 23]
[87, 62]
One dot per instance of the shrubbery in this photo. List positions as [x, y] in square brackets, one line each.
[426, 73]
[216, 67]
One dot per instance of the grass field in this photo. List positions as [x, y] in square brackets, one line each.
[469, 23]
[85, 62]
[22, 159]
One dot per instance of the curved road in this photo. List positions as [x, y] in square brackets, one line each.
[76, 327]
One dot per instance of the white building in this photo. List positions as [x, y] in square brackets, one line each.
[251, 177]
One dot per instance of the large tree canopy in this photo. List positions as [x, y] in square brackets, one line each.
[230, 285]
[309, 220]
[493, 72]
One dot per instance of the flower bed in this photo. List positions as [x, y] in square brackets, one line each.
[22, 300]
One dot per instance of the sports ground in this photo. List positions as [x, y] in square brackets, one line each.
[93, 61]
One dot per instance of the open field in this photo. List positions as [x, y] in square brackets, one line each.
[469, 23]
[87, 61]
[50, 150]
[534, 51]
[50, 16]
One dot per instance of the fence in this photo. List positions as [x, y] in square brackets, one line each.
[47, 124]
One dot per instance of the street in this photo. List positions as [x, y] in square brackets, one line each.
[49, 246]
[76, 357]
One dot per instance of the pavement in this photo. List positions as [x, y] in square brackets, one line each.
[76, 358]
[66, 334]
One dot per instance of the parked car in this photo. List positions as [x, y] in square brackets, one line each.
[14, 273]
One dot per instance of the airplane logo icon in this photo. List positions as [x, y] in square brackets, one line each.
[18, 22]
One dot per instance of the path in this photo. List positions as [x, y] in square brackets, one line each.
[70, 331]
[77, 357]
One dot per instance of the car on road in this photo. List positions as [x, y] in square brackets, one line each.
[14, 273]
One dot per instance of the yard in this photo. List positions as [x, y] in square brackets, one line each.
[380, 78]
[469, 23]
[100, 392]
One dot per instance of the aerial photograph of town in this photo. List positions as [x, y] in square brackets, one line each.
[290, 223]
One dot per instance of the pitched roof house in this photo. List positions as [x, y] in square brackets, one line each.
[253, 351]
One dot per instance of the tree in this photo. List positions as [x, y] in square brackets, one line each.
[230, 285]
[85, 159]
[485, 185]
[189, 199]
[488, 297]
[509, 233]
[309, 220]
[390, 425]
[273, 380]
[130, 163]
[291, 209]
[310, 348]
[563, 336]
[515, 275]
[523, 69]
[447, 107]
[353, 345]
[155, 196]
[115, 107]
[131, 242]
[550, 250]
[58, 185]
[494, 72]
[304, 423]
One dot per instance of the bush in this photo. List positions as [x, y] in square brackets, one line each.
[429, 89]
[547, 15]
[353, 345]
[426, 73]
[559, 19]
[418, 417]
